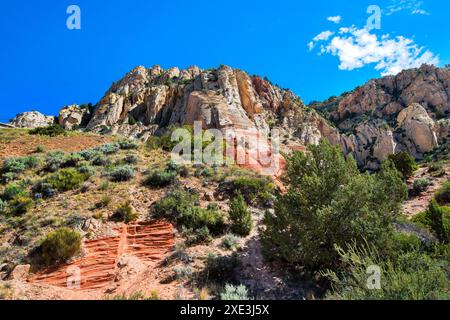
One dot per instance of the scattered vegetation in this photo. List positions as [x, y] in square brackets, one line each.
[125, 213]
[404, 163]
[66, 180]
[122, 173]
[234, 293]
[240, 217]
[59, 246]
[442, 196]
[51, 131]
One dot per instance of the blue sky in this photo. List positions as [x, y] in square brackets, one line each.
[45, 66]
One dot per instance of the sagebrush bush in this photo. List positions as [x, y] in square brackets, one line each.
[253, 188]
[54, 161]
[241, 222]
[59, 246]
[19, 165]
[87, 170]
[234, 293]
[125, 213]
[131, 159]
[109, 148]
[128, 144]
[197, 236]
[230, 242]
[160, 178]
[410, 276]
[421, 185]
[122, 173]
[442, 196]
[100, 160]
[13, 190]
[20, 205]
[66, 179]
[72, 160]
[53, 130]
[42, 189]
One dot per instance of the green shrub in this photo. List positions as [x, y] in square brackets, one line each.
[51, 131]
[240, 217]
[13, 190]
[221, 269]
[436, 169]
[404, 163]
[411, 276]
[39, 149]
[257, 188]
[3, 206]
[182, 273]
[72, 160]
[104, 202]
[87, 170]
[236, 293]
[437, 220]
[131, 159]
[90, 154]
[160, 178]
[125, 213]
[59, 246]
[421, 185]
[19, 165]
[442, 196]
[198, 236]
[122, 173]
[66, 179]
[100, 160]
[20, 205]
[330, 202]
[109, 148]
[42, 189]
[128, 145]
[230, 242]
[179, 206]
[54, 161]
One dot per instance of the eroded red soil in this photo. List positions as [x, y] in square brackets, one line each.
[147, 241]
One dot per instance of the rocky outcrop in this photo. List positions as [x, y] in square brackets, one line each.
[32, 119]
[73, 116]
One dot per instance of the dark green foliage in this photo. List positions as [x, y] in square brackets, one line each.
[59, 246]
[221, 269]
[53, 130]
[128, 145]
[437, 220]
[179, 206]
[109, 148]
[240, 217]
[131, 159]
[404, 163]
[197, 236]
[442, 196]
[20, 205]
[254, 189]
[66, 179]
[421, 185]
[408, 276]
[13, 190]
[42, 189]
[329, 202]
[122, 173]
[125, 213]
[160, 178]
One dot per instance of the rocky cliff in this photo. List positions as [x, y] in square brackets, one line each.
[408, 112]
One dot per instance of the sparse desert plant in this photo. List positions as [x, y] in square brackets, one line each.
[59, 246]
[53, 130]
[122, 173]
[19, 165]
[66, 179]
[109, 148]
[196, 236]
[100, 160]
[39, 149]
[230, 242]
[104, 185]
[72, 160]
[13, 190]
[240, 217]
[436, 169]
[182, 273]
[104, 202]
[87, 170]
[3, 206]
[125, 213]
[131, 159]
[442, 196]
[42, 189]
[221, 269]
[20, 205]
[128, 144]
[160, 178]
[234, 293]
[421, 185]
[54, 161]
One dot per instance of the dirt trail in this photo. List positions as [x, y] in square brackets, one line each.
[415, 205]
[98, 268]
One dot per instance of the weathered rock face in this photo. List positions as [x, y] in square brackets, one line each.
[32, 119]
[72, 117]
[408, 112]
[218, 98]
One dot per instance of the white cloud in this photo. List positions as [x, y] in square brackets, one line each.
[357, 48]
[323, 36]
[335, 19]
[413, 6]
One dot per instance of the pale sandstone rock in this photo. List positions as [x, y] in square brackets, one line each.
[32, 119]
[72, 116]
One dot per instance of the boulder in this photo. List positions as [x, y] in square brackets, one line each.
[32, 119]
[72, 116]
